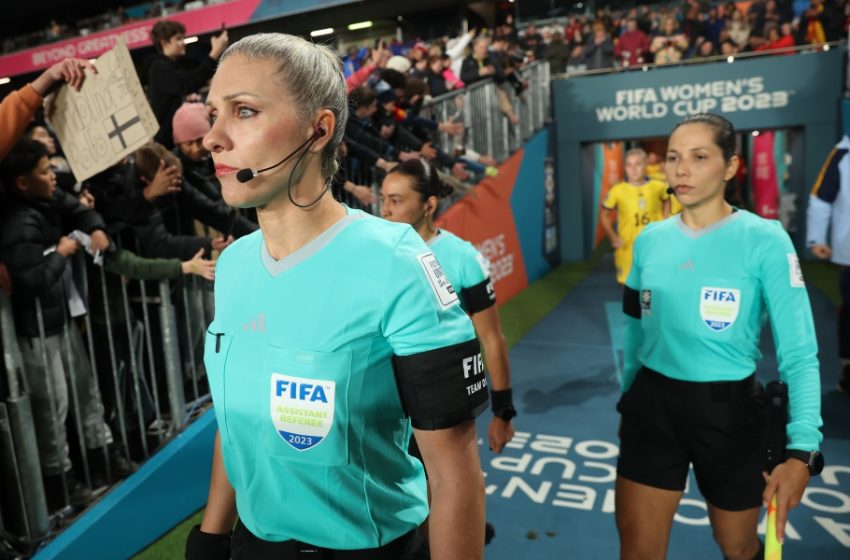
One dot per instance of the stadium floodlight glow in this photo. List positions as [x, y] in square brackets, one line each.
[5, 81]
[192, 39]
[731, 59]
[322, 32]
[359, 25]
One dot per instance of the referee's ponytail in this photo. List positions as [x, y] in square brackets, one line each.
[726, 140]
[424, 178]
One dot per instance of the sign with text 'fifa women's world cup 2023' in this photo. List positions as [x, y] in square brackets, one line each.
[758, 93]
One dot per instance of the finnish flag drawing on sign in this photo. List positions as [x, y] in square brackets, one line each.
[124, 127]
[718, 307]
[302, 409]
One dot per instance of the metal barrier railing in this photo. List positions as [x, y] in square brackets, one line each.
[361, 174]
[128, 347]
[482, 108]
[24, 507]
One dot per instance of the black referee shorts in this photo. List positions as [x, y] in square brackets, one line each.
[718, 427]
[247, 546]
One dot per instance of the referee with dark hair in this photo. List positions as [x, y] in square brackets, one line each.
[701, 287]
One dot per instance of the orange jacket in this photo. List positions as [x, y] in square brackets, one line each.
[16, 111]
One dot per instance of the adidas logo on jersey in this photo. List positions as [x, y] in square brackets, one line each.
[254, 325]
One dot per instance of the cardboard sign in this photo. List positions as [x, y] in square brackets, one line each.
[107, 119]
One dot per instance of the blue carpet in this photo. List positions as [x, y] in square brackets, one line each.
[551, 492]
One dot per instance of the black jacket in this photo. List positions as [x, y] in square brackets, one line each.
[200, 199]
[469, 70]
[118, 192]
[181, 209]
[201, 174]
[168, 85]
[30, 227]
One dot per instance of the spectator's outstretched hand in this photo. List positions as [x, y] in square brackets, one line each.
[70, 70]
[380, 55]
[428, 151]
[451, 128]
[361, 192]
[822, 252]
[99, 240]
[218, 44]
[221, 243]
[459, 171]
[166, 181]
[199, 266]
[86, 199]
[387, 166]
[407, 156]
[67, 246]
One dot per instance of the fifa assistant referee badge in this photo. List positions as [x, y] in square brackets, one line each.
[503, 406]
[812, 459]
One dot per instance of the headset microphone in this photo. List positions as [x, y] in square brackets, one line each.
[245, 175]
[670, 190]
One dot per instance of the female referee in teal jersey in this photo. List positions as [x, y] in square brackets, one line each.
[333, 333]
[696, 300]
[410, 194]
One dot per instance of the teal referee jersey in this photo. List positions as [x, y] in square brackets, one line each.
[705, 296]
[466, 269]
[299, 360]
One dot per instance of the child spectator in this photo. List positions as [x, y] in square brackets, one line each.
[169, 84]
[36, 249]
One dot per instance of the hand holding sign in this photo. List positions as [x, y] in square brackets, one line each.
[70, 70]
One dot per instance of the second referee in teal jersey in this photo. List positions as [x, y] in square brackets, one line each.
[697, 296]
[411, 194]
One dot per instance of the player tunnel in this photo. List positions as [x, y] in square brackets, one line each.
[777, 105]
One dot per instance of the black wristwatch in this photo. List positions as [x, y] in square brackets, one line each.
[507, 414]
[503, 406]
[812, 459]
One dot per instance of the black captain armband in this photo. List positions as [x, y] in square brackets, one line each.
[631, 302]
[479, 297]
[444, 387]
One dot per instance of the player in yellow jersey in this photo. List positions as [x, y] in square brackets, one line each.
[655, 172]
[635, 202]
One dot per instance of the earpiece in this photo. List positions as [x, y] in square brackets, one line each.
[319, 132]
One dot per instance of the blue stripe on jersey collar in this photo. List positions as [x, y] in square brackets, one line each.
[275, 267]
[697, 233]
